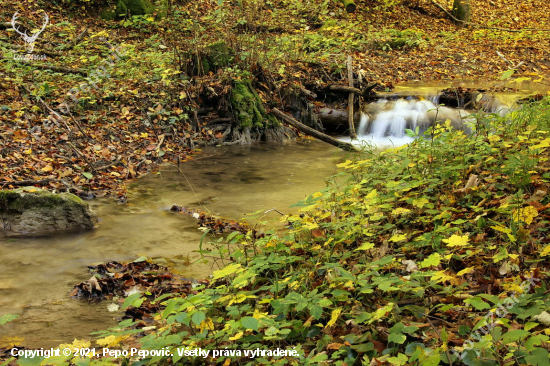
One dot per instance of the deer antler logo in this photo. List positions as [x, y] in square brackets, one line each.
[29, 39]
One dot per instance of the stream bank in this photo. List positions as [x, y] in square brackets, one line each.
[37, 274]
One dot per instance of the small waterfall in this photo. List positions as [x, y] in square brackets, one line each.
[384, 122]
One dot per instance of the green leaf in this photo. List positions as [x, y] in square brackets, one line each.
[130, 300]
[325, 303]
[140, 259]
[463, 330]
[249, 323]
[88, 175]
[198, 317]
[477, 303]
[316, 311]
[444, 335]
[528, 326]
[514, 336]
[400, 360]
[397, 338]
[6, 318]
[539, 357]
[507, 74]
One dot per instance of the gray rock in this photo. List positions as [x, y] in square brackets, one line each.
[32, 211]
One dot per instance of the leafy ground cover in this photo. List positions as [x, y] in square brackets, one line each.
[415, 256]
[434, 253]
[139, 91]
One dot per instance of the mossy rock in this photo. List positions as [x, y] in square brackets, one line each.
[32, 211]
[133, 7]
[248, 108]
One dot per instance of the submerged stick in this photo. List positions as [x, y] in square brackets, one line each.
[310, 131]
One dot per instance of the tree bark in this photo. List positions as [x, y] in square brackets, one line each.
[310, 131]
[461, 11]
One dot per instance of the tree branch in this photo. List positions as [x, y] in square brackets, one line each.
[310, 131]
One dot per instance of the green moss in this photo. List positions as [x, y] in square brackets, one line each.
[139, 7]
[29, 197]
[248, 107]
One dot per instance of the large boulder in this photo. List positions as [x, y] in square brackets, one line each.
[35, 211]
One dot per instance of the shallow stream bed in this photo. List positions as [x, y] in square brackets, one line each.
[37, 274]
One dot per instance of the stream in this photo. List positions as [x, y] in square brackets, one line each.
[37, 274]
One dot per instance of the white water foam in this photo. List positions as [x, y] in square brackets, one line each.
[383, 123]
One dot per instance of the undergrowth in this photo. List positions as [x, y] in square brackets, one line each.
[431, 253]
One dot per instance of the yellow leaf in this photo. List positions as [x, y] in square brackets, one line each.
[207, 324]
[545, 251]
[344, 164]
[441, 276]
[544, 143]
[334, 317]
[400, 210]
[457, 241]
[76, 344]
[526, 214]
[465, 271]
[230, 269]
[494, 138]
[420, 202]
[111, 341]
[27, 152]
[10, 342]
[372, 194]
[236, 336]
[399, 237]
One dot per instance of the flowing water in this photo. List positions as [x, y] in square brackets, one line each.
[416, 105]
[36, 274]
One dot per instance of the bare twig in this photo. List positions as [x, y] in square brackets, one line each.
[350, 101]
[76, 41]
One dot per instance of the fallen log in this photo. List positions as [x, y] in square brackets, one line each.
[65, 70]
[348, 89]
[336, 120]
[345, 89]
[349, 5]
[310, 131]
[38, 51]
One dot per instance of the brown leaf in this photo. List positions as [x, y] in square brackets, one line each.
[334, 346]
[379, 346]
[316, 233]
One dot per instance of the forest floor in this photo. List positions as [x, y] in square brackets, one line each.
[136, 97]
